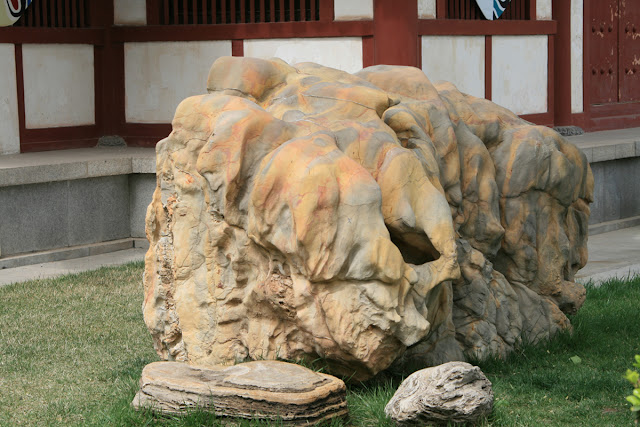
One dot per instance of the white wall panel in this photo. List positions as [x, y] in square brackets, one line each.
[352, 10]
[457, 59]
[343, 53]
[543, 10]
[577, 67]
[159, 75]
[59, 88]
[9, 126]
[130, 12]
[426, 9]
[520, 73]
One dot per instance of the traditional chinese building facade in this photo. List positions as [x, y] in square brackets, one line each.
[77, 70]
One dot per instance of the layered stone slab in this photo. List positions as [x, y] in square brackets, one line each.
[263, 389]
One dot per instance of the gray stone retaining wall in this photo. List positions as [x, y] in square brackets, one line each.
[73, 203]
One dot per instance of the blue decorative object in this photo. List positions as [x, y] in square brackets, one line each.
[492, 9]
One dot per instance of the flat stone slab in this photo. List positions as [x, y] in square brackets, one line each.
[263, 389]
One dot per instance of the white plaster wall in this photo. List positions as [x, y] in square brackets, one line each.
[352, 10]
[426, 9]
[519, 73]
[130, 12]
[159, 75]
[58, 85]
[457, 59]
[9, 127]
[343, 53]
[577, 47]
[543, 10]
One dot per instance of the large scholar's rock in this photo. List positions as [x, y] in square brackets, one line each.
[368, 219]
[265, 389]
[455, 392]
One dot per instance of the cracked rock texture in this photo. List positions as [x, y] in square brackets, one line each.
[367, 219]
[454, 392]
[265, 390]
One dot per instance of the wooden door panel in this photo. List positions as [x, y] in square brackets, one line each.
[629, 60]
[603, 65]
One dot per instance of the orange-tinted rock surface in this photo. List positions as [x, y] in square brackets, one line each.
[367, 219]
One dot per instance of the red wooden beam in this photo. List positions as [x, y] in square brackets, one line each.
[46, 19]
[20, 90]
[367, 51]
[205, 12]
[18, 35]
[481, 28]
[241, 31]
[533, 12]
[237, 47]
[326, 10]
[395, 29]
[153, 12]
[562, 61]
[441, 8]
[488, 67]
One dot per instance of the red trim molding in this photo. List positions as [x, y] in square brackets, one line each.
[144, 134]
[543, 119]
[464, 27]
[242, 31]
[25, 35]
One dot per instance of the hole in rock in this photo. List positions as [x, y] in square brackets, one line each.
[415, 248]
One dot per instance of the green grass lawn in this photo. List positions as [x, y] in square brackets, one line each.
[72, 349]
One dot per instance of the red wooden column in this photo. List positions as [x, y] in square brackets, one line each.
[395, 32]
[109, 72]
[562, 61]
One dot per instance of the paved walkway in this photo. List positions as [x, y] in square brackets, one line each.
[77, 265]
[614, 254]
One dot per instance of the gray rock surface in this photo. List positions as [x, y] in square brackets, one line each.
[454, 392]
[265, 389]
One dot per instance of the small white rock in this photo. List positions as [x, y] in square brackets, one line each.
[454, 392]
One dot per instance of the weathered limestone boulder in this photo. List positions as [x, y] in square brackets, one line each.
[367, 219]
[265, 389]
[455, 392]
